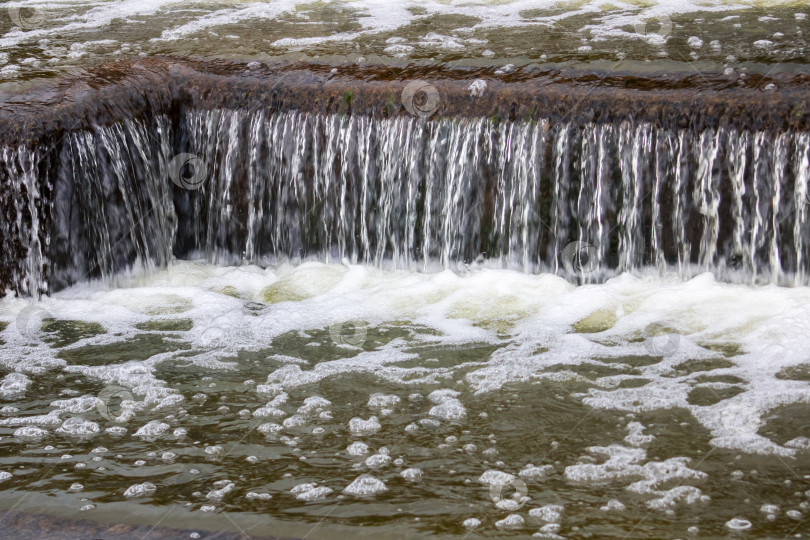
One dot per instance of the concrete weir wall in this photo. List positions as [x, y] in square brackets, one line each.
[124, 90]
[85, 165]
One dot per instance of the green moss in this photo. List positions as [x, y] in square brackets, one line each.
[348, 95]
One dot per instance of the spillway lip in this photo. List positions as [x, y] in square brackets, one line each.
[128, 89]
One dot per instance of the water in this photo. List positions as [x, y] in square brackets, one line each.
[491, 370]
[43, 38]
[583, 201]
[351, 319]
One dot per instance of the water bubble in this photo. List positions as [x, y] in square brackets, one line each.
[349, 333]
[147, 489]
[424, 107]
[472, 523]
[738, 524]
[661, 339]
[188, 171]
[580, 258]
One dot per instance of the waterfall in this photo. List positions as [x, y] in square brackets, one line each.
[408, 193]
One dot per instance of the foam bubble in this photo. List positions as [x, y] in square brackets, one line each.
[365, 486]
[550, 513]
[146, 489]
[738, 524]
[357, 448]
[411, 475]
[30, 433]
[358, 425]
[78, 428]
[152, 430]
[512, 521]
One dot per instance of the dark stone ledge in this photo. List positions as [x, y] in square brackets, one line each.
[132, 88]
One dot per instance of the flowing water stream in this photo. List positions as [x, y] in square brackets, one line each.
[274, 321]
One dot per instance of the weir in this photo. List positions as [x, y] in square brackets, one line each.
[583, 174]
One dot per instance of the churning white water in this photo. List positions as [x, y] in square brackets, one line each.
[497, 396]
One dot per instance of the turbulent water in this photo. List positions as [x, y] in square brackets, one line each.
[272, 322]
[582, 201]
[327, 401]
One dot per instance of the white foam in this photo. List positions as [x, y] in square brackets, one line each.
[294, 421]
[146, 489]
[636, 436]
[14, 386]
[223, 487]
[613, 505]
[269, 427]
[738, 524]
[447, 407]
[383, 401]
[767, 324]
[357, 448]
[78, 428]
[314, 404]
[30, 433]
[412, 474]
[378, 461]
[308, 492]
[152, 430]
[472, 523]
[512, 521]
[358, 425]
[365, 486]
[536, 473]
[550, 513]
